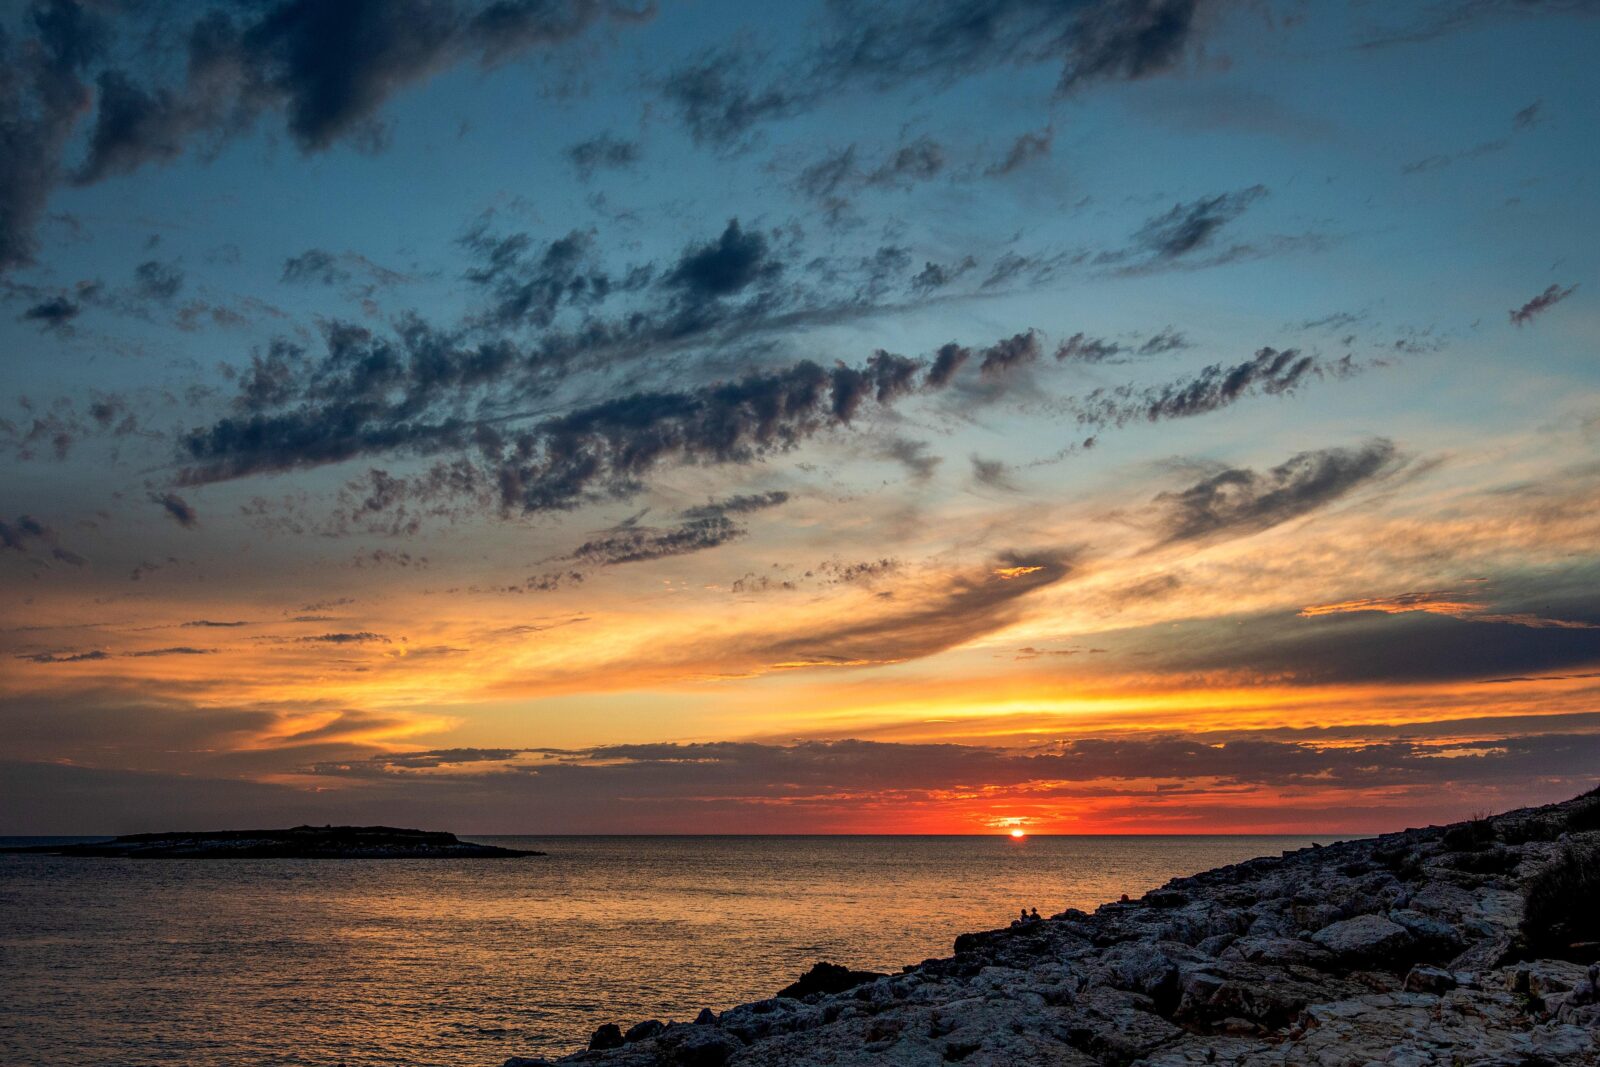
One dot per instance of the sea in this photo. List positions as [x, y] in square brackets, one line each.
[463, 963]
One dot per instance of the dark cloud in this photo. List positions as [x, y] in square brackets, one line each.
[1193, 225]
[54, 314]
[966, 607]
[602, 152]
[314, 265]
[1241, 500]
[1379, 647]
[1215, 387]
[177, 650]
[66, 657]
[946, 363]
[531, 284]
[1167, 340]
[935, 276]
[361, 637]
[716, 96]
[917, 161]
[154, 280]
[724, 266]
[993, 473]
[1524, 120]
[370, 396]
[42, 94]
[1024, 150]
[1543, 302]
[1082, 348]
[1016, 351]
[914, 456]
[328, 69]
[699, 528]
[26, 533]
[178, 509]
[214, 624]
[876, 46]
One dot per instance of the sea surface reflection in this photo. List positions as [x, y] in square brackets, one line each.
[445, 962]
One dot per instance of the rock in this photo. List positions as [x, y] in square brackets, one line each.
[697, 1046]
[826, 977]
[707, 1017]
[1427, 979]
[606, 1035]
[1365, 939]
[526, 1061]
[1277, 950]
[1435, 938]
[643, 1031]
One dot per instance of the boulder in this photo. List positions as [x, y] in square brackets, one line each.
[606, 1035]
[1365, 939]
[1427, 979]
[643, 1031]
[827, 977]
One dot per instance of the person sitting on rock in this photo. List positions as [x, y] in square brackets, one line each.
[1033, 915]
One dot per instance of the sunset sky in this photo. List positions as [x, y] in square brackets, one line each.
[587, 416]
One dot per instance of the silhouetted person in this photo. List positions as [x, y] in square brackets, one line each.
[1033, 916]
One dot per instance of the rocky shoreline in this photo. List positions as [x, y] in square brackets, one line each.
[1470, 945]
[297, 842]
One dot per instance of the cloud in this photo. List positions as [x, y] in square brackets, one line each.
[721, 95]
[41, 99]
[727, 265]
[1444, 602]
[66, 657]
[1167, 340]
[1217, 386]
[913, 456]
[993, 473]
[369, 399]
[314, 265]
[699, 528]
[1191, 226]
[327, 69]
[1241, 500]
[602, 152]
[1016, 351]
[934, 276]
[157, 281]
[1024, 150]
[54, 314]
[360, 637]
[177, 509]
[1546, 300]
[1081, 348]
[962, 608]
[27, 533]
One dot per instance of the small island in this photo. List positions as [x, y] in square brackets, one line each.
[298, 842]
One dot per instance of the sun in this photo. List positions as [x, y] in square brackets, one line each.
[1019, 832]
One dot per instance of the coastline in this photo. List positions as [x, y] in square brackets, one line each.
[1424, 946]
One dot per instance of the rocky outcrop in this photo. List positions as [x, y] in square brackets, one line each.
[1414, 949]
[299, 842]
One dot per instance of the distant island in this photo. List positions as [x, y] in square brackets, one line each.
[297, 842]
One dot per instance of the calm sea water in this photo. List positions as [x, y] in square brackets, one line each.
[443, 962]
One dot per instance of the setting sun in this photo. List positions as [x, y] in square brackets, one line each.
[1019, 833]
